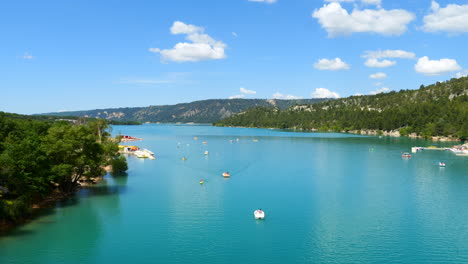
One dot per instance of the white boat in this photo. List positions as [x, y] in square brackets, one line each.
[140, 154]
[441, 164]
[149, 154]
[259, 214]
[206, 152]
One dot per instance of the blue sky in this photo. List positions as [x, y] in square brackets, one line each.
[78, 55]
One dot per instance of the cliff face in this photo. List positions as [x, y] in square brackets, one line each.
[206, 111]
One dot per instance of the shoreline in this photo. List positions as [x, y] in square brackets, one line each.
[363, 132]
[48, 202]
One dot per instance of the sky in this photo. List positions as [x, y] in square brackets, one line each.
[80, 55]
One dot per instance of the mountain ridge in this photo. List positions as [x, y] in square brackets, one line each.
[203, 111]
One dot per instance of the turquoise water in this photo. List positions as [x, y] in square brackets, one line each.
[328, 198]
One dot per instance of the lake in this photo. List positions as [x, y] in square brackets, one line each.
[328, 198]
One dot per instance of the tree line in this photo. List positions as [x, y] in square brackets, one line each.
[440, 109]
[41, 157]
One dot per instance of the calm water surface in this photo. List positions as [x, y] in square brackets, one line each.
[328, 198]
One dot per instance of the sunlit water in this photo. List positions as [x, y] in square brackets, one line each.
[328, 198]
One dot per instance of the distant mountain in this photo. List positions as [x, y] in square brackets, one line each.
[206, 111]
[440, 109]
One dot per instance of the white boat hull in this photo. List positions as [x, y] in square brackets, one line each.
[259, 214]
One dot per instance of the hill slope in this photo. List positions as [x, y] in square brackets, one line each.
[440, 109]
[206, 111]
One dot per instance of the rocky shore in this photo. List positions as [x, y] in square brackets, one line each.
[396, 133]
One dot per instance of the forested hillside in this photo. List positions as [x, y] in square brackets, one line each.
[440, 109]
[206, 111]
[38, 158]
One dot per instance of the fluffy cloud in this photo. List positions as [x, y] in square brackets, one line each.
[245, 91]
[381, 90]
[239, 96]
[337, 21]
[452, 18]
[331, 65]
[264, 1]
[375, 63]
[324, 93]
[436, 67]
[202, 46]
[285, 96]
[379, 54]
[378, 75]
[182, 28]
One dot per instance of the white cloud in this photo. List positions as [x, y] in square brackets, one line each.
[436, 67]
[461, 74]
[182, 28]
[264, 1]
[381, 90]
[245, 91]
[331, 65]
[378, 75]
[337, 21]
[238, 96]
[202, 46]
[379, 54]
[372, 2]
[285, 96]
[375, 63]
[324, 93]
[27, 56]
[452, 18]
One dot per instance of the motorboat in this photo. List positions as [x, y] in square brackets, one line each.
[206, 152]
[202, 181]
[441, 164]
[140, 154]
[259, 214]
[149, 154]
[226, 175]
[406, 155]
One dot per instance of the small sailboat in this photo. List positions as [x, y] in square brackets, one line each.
[259, 214]
[441, 164]
[226, 175]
